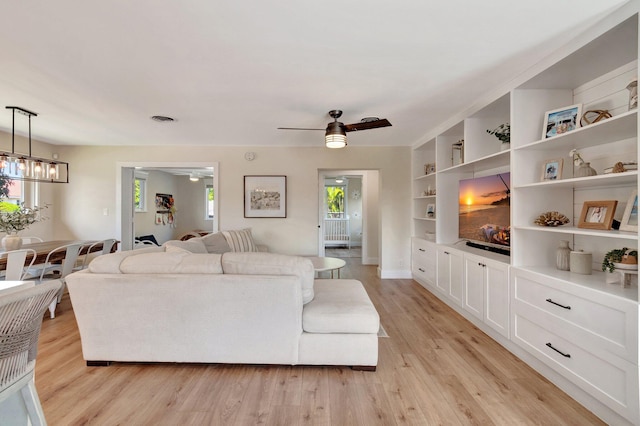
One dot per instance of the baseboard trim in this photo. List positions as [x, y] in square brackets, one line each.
[394, 274]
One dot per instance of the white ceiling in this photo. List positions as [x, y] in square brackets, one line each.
[230, 73]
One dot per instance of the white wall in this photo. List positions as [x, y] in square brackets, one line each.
[93, 189]
[191, 206]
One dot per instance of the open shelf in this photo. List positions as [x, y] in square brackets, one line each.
[581, 231]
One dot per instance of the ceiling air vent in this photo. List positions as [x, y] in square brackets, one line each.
[161, 118]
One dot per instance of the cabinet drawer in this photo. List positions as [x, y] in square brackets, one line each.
[599, 322]
[422, 249]
[612, 380]
[423, 261]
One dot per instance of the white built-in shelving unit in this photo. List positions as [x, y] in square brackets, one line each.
[580, 331]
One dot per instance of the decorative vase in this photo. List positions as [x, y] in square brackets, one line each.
[585, 170]
[505, 146]
[11, 242]
[563, 254]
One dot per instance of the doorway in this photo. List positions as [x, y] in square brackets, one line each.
[128, 175]
[348, 214]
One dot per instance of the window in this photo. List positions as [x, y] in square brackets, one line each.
[208, 202]
[140, 193]
[335, 202]
[15, 195]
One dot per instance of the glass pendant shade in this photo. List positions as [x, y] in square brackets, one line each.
[27, 167]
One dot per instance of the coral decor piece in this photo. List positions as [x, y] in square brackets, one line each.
[551, 219]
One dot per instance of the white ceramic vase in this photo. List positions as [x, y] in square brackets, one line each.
[585, 170]
[11, 242]
[562, 255]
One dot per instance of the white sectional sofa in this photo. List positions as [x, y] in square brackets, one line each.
[152, 305]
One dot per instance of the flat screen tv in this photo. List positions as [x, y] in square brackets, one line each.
[484, 214]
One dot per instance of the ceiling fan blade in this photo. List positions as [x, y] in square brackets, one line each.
[296, 128]
[367, 125]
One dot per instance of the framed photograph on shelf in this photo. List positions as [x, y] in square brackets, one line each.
[265, 196]
[552, 169]
[563, 120]
[630, 218]
[431, 211]
[597, 214]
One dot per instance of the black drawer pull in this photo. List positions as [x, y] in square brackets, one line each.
[557, 304]
[421, 270]
[560, 352]
[446, 252]
[421, 250]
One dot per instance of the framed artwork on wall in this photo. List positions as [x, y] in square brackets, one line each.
[265, 196]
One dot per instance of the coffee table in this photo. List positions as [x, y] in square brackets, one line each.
[321, 264]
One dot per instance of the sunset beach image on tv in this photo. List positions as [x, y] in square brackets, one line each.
[484, 209]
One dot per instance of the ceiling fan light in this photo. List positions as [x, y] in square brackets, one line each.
[335, 136]
[335, 141]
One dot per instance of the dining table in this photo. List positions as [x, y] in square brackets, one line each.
[42, 249]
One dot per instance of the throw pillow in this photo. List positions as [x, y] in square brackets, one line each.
[240, 240]
[194, 245]
[216, 243]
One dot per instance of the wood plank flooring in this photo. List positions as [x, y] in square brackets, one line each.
[434, 369]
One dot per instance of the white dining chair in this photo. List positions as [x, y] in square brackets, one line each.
[107, 246]
[61, 269]
[20, 321]
[16, 263]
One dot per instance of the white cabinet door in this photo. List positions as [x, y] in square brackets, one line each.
[456, 279]
[497, 296]
[474, 271]
[444, 270]
[450, 274]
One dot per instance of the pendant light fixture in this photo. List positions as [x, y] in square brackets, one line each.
[29, 168]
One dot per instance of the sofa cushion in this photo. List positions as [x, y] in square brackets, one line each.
[240, 240]
[172, 263]
[110, 263]
[340, 306]
[216, 243]
[272, 264]
[194, 245]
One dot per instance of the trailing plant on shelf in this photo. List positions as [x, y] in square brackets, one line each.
[502, 132]
[623, 255]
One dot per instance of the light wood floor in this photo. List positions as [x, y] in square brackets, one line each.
[436, 368]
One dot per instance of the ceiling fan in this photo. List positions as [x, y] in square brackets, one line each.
[336, 132]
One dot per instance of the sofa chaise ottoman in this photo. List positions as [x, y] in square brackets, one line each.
[152, 305]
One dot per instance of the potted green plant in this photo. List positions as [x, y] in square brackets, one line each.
[503, 133]
[616, 257]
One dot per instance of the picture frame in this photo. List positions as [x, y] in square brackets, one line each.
[552, 169]
[429, 168]
[164, 202]
[265, 196]
[630, 217]
[562, 120]
[431, 211]
[597, 214]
